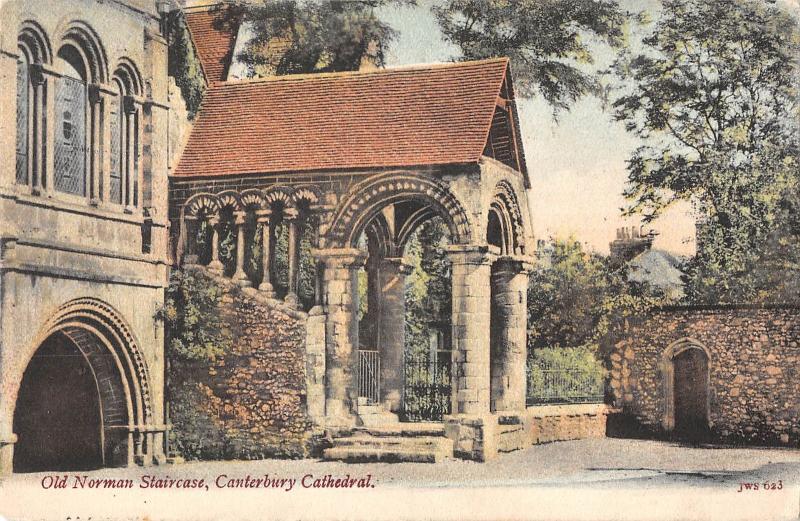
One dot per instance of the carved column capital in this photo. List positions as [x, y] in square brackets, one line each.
[470, 254]
[129, 104]
[37, 73]
[290, 213]
[263, 215]
[95, 94]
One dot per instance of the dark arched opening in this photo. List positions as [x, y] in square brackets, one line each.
[58, 418]
[690, 384]
[495, 236]
[405, 312]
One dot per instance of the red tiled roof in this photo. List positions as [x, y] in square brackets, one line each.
[425, 115]
[214, 45]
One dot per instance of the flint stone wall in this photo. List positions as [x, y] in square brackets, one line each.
[754, 370]
[251, 403]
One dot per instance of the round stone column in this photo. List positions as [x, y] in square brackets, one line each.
[340, 304]
[509, 334]
[471, 272]
[391, 329]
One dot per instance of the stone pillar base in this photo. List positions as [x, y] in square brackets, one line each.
[266, 289]
[474, 436]
[337, 416]
[240, 277]
[7, 441]
[393, 401]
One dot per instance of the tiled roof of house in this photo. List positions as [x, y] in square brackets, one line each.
[213, 41]
[422, 115]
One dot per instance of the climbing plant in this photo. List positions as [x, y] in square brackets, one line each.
[193, 322]
[183, 64]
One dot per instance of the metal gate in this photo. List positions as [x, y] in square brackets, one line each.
[369, 371]
[427, 388]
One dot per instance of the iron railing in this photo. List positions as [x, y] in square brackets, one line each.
[369, 370]
[556, 385]
[427, 388]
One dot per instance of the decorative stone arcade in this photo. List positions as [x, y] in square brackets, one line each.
[344, 176]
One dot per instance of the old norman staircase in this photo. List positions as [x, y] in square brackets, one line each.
[382, 437]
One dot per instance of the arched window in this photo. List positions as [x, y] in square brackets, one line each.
[117, 157]
[71, 118]
[24, 111]
[34, 50]
[125, 121]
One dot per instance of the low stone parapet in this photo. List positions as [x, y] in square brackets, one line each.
[483, 437]
[546, 423]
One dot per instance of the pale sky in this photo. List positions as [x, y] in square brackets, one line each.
[577, 164]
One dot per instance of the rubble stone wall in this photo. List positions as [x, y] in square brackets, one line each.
[753, 370]
[251, 402]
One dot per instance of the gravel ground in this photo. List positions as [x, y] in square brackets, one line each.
[606, 473]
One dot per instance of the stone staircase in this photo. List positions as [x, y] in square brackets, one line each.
[383, 438]
[374, 414]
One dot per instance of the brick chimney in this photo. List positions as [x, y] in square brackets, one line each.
[629, 243]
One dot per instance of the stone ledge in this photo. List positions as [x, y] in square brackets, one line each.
[271, 303]
[545, 411]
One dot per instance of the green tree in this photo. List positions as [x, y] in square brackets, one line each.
[292, 37]
[714, 99]
[579, 298]
[428, 289]
[546, 40]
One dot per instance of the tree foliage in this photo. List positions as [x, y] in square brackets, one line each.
[428, 294]
[714, 99]
[546, 40]
[292, 37]
[195, 331]
[579, 299]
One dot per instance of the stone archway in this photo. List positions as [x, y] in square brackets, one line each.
[58, 419]
[685, 366]
[84, 398]
[387, 209]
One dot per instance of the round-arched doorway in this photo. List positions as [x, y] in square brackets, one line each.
[690, 393]
[83, 400]
[58, 418]
[686, 390]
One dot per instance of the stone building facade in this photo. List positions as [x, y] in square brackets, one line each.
[730, 373]
[83, 233]
[363, 159]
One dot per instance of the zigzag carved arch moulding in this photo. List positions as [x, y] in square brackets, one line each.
[206, 203]
[98, 316]
[505, 194]
[370, 196]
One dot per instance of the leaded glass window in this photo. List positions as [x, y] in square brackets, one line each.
[117, 121]
[23, 107]
[70, 138]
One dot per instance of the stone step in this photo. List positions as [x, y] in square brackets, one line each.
[371, 455]
[404, 429]
[364, 410]
[435, 443]
[385, 419]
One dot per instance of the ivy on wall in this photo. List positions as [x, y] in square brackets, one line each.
[184, 64]
[195, 329]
